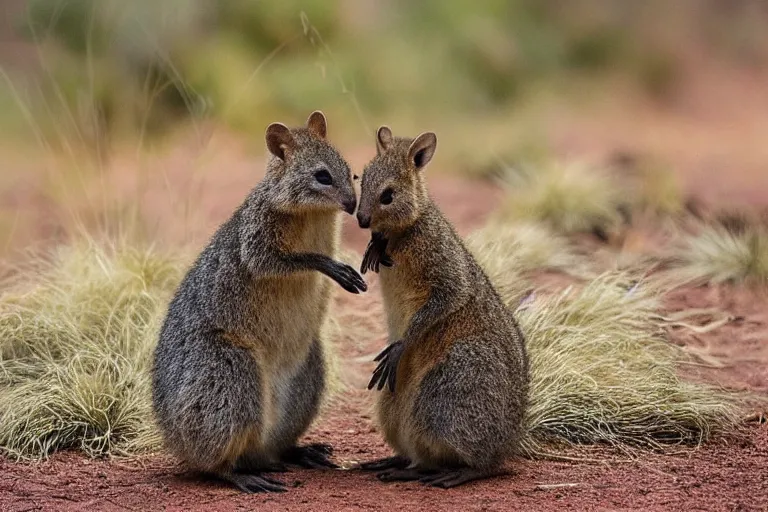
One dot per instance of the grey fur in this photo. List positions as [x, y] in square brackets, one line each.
[300, 405]
[239, 369]
[468, 408]
[471, 402]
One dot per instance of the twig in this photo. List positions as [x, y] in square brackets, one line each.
[547, 487]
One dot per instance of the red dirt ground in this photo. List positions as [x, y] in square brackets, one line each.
[695, 135]
[718, 476]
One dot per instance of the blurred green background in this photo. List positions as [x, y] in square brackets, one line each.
[112, 68]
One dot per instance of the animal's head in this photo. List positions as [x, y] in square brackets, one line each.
[392, 190]
[307, 173]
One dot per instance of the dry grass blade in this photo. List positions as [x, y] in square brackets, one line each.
[568, 197]
[78, 329]
[716, 254]
[75, 348]
[507, 251]
[77, 332]
[602, 372]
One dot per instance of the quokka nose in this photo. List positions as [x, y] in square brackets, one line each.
[349, 206]
[364, 222]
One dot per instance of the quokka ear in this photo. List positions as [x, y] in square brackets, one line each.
[384, 139]
[280, 142]
[422, 150]
[317, 125]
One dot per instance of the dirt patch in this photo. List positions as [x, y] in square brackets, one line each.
[719, 476]
[184, 196]
[736, 354]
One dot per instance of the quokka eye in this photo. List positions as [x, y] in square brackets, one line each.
[323, 177]
[386, 196]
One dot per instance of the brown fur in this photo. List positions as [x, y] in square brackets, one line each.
[462, 380]
[239, 368]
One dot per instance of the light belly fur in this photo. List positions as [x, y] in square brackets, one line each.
[401, 302]
[292, 312]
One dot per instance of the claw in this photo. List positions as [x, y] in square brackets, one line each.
[375, 254]
[386, 372]
[383, 353]
[453, 478]
[254, 483]
[391, 380]
[348, 278]
[324, 448]
[313, 456]
[400, 475]
[376, 375]
[383, 380]
[366, 258]
[396, 462]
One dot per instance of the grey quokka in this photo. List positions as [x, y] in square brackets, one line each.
[239, 369]
[453, 380]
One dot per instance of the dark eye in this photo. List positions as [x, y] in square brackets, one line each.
[386, 196]
[323, 177]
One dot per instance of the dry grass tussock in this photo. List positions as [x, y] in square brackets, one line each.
[78, 327]
[508, 251]
[603, 372]
[568, 197]
[717, 253]
[77, 330]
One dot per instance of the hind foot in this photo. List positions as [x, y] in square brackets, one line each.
[311, 456]
[404, 475]
[455, 477]
[275, 467]
[254, 483]
[396, 462]
[252, 465]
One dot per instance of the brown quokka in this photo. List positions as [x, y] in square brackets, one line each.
[454, 378]
[239, 369]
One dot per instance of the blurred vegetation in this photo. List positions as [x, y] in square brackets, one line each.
[78, 330]
[140, 67]
[733, 248]
[78, 326]
[569, 197]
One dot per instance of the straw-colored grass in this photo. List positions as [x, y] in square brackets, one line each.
[603, 372]
[602, 369]
[656, 191]
[77, 330]
[570, 198]
[508, 251]
[716, 254]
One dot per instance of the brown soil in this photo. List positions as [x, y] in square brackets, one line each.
[182, 205]
[719, 476]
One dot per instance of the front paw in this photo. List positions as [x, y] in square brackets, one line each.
[376, 254]
[312, 456]
[386, 372]
[348, 278]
